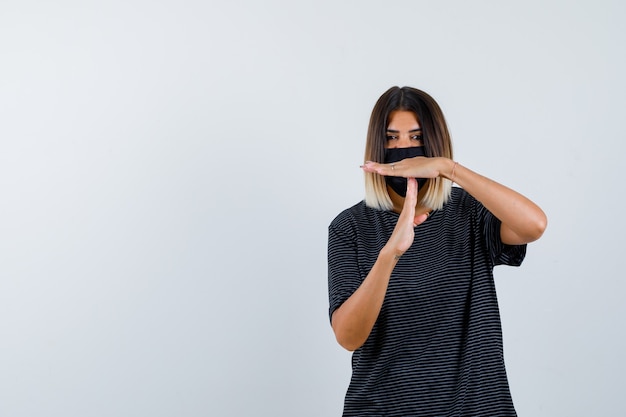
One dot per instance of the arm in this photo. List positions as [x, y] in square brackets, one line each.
[522, 220]
[353, 321]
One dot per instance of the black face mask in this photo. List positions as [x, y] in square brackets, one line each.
[398, 184]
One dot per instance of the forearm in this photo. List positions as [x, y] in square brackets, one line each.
[522, 220]
[353, 321]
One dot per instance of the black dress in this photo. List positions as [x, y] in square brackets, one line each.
[436, 348]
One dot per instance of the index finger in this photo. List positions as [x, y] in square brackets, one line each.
[394, 169]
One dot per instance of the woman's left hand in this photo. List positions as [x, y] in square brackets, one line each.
[418, 167]
[522, 220]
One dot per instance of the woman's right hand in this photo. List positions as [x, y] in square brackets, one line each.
[353, 321]
[404, 233]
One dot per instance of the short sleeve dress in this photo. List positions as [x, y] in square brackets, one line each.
[436, 348]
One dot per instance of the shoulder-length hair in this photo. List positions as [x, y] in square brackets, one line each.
[435, 136]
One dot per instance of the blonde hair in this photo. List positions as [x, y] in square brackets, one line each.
[435, 135]
[377, 196]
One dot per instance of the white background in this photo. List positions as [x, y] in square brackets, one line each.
[168, 170]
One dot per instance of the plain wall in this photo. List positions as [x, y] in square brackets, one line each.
[168, 170]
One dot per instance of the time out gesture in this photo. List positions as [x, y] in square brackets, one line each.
[522, 220]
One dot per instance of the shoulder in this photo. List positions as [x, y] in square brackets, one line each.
[462, 207]
[354, 214]
[360, 218]
[459, 200]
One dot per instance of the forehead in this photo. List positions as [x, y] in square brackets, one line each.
[403, 120]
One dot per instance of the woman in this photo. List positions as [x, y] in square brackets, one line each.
[411, 271]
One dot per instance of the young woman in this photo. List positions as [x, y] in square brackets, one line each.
[410, 271]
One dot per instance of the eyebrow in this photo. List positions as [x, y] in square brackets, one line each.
[410, 131]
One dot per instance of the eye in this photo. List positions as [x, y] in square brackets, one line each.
[417, 137]
[391, 137]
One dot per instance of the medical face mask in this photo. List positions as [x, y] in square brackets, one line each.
[398, 184]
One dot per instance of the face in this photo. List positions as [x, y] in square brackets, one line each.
[403, 131]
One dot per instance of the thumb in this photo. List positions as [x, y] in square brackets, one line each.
[417, 220]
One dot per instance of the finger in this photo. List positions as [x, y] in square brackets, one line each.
[395, 169]
[417, 220]
[411, 195]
